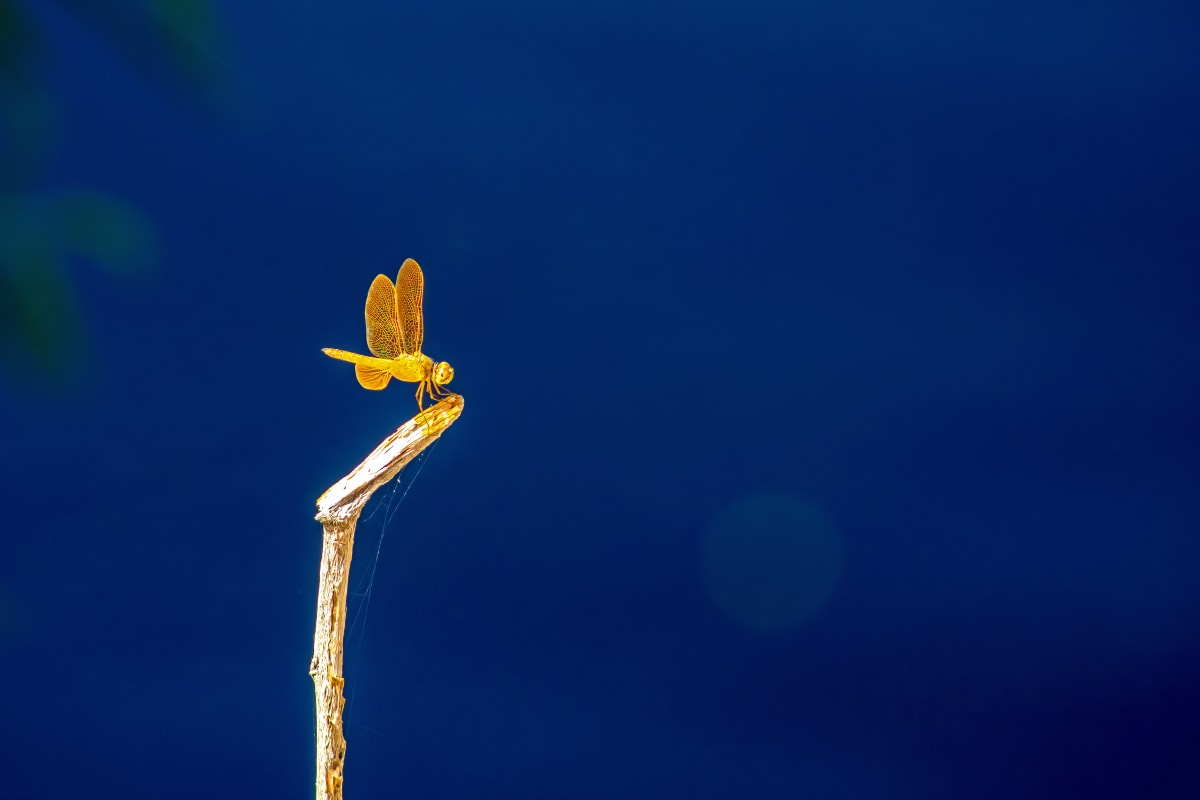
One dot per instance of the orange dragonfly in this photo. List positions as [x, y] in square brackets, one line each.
[395, 330]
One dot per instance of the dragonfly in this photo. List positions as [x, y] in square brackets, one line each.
[395, 332]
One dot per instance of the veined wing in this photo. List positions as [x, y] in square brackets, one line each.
[370, 377]
[372, 373]
[410, 290]
[383, 324]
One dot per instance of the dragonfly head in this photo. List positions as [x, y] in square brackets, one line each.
[443, 373]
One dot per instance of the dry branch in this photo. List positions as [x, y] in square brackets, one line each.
[337, 511]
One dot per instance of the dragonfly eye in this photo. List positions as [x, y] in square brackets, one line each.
[443, 373]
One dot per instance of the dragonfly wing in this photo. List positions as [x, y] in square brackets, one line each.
[383, 325]
[410, 290]
[370, 377]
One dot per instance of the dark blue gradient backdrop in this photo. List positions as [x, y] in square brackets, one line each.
[831, 381]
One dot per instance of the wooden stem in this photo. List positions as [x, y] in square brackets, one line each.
[337, 511]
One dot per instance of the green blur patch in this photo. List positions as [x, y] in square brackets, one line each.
[41, 330]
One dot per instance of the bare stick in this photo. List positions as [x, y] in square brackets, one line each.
[337, 511]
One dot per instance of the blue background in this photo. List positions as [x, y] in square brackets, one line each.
[921, 275]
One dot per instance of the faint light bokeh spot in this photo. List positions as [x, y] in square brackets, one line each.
[771, 561]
